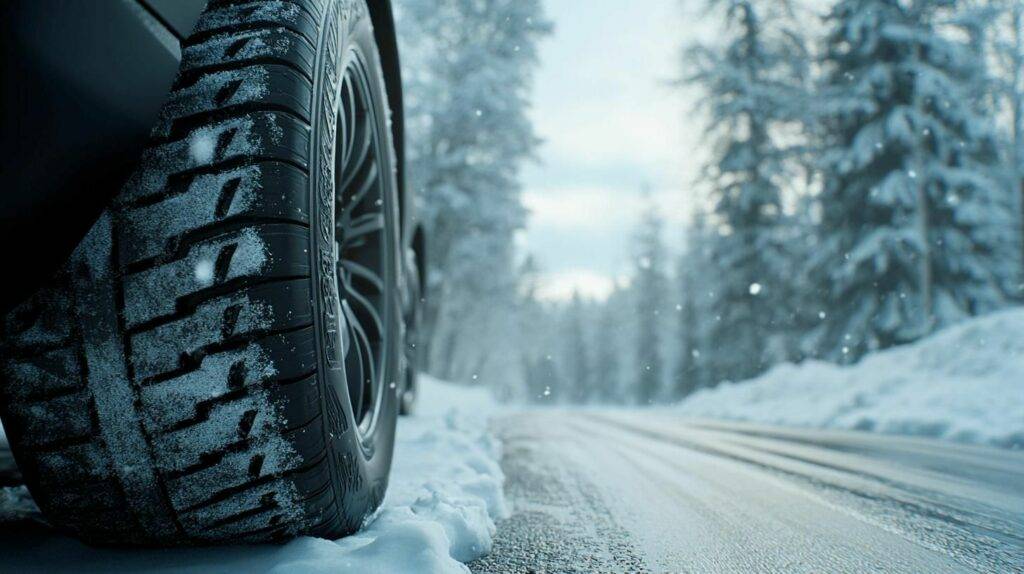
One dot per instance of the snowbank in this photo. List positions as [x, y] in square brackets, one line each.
[964, 384]
[446, 493]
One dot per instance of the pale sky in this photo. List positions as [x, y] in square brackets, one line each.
[611, 124]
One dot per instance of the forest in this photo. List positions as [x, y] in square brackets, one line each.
[864, 189]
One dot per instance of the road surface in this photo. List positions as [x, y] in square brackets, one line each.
[650, 492]
[645, 492]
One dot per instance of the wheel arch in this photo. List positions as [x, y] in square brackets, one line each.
[385, 33]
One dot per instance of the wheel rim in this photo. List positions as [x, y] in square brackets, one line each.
[364, 240]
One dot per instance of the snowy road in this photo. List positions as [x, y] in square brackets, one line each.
[649, 492]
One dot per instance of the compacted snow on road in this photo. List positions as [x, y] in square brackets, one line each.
[643, 491]
[445, 495]
[965, 384]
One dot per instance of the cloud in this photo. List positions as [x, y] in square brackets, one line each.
[611, 125]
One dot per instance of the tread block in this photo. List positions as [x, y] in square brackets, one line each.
[65, 418]
[97, 496]
[259, 85]
[40, 321]
[172, 401]
[155, 292]
[264, 190]
[45, 374]
[78, 463]
[299, 348]
[250, 137]
[308, 441]
[251, 312]
[232, 472]
[267, 252]
[226, 19]
[252, 420]
[169, 403]
[271, 505]
[300, 401]
[259, 44]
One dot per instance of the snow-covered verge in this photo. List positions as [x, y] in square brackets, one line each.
[965, 383]
[445, 495]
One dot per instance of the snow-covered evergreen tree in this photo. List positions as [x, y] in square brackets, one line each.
[650, 286]
[690, 374]
[579, 384]
[1007, 40]
[752, 83]
[468, 75]
[542, 379]
[608, 347]
[913, 221]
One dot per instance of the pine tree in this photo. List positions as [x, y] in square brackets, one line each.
[912, 220]
[1007, 39]
[689, 375]
[542, 379]
[468, 74]
[577, 353]
[607, 349]
[651, 290]
[751, 84]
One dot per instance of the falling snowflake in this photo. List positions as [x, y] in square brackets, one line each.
[204, 272]
[202, 147]
[755, 289]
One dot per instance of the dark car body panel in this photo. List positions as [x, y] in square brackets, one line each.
[179, 16]
[82, 84]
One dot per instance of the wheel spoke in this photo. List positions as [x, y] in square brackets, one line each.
[355, 270]
[353, 360]
[362, 225]
[358, 169]
[363, 352]
[350, 117]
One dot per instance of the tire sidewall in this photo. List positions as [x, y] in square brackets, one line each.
[360, 465]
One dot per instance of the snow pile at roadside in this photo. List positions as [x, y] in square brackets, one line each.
[445, 495]
[965, 383]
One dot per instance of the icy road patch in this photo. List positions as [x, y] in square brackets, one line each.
[965, 383]
[445, 495]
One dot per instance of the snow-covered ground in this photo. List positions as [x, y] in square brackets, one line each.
[446, 493]
[965, 384]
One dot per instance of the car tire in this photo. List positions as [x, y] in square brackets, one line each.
[217, 361]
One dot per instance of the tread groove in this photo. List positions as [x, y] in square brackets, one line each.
[190, 361]
[223, 264]
[182, 244]
[256, 482]
[191, 76]
[227, 92]
[178, 182]
[188, 303]
[227, 195]
[181, 127]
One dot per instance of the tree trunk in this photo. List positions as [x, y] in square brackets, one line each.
[924, 230]
[1017, 103]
